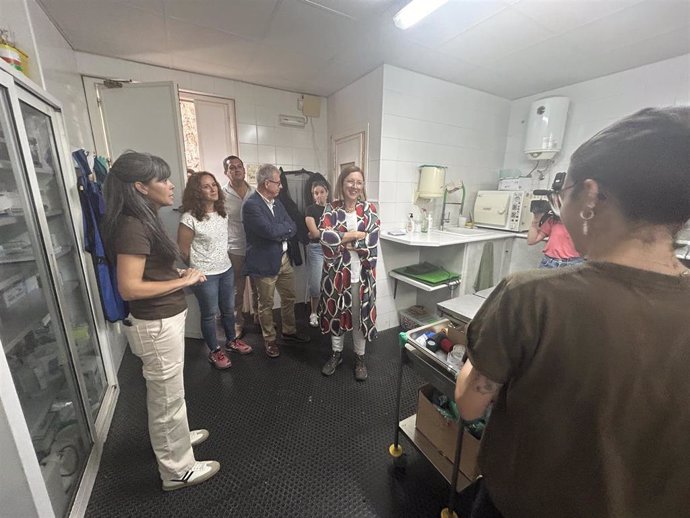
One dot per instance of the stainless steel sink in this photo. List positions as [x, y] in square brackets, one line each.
[464, 231]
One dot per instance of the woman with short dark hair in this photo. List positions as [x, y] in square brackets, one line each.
[588, 366]
[137, 186]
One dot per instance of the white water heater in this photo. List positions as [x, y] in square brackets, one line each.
[546, 127]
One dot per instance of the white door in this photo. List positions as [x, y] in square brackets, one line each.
[146, 117]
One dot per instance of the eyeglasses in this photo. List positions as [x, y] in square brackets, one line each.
[556, 199]
[354, 184]
[277, 182]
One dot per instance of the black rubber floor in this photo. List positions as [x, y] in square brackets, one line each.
[291, 442]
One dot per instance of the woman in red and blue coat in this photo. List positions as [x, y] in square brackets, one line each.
[349, 237]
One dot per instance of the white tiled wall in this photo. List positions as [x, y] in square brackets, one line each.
[596, 103]
[355, 108]
[429, 121]
[261, 138]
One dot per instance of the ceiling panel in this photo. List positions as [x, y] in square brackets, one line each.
[501, 34]
[563, 15]
[247, 18]
[449, 21]
[358, 9]
[300, 27]
[511, 48]
[631, 25]
[129, 31]
[191, 41]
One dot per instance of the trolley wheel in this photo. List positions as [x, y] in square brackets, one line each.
[395, 451]
[445, 513]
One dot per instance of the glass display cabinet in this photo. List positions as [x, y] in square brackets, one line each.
[47, 329]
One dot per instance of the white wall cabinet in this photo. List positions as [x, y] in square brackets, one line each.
[53, 382]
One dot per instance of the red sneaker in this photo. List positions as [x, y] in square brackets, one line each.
[219, 360]
[238, 346]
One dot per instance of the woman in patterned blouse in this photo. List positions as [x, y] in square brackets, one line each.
[349, 237]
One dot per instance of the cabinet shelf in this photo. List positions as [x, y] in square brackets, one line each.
[12, 219]
[452, 285]
[28, 258]
[27, 315]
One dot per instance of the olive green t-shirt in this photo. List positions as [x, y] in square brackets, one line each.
[133, 239]
[593, 419]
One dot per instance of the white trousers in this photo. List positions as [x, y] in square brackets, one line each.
[160, 345]
[337, 342]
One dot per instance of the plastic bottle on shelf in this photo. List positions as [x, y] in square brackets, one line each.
[426, 218]
[410, 223]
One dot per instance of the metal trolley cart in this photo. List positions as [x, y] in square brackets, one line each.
[442, 376]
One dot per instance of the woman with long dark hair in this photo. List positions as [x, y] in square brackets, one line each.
[349, 237]
[137, 186]
[203, 240]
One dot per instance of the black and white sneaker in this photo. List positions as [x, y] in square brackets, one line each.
[200, 472]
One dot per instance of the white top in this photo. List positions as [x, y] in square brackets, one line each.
[355, 263]
[209, 251]
[237, 242]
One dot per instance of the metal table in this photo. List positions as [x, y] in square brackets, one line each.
[442, 376]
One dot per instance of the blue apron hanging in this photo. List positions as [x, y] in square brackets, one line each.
[93, 209]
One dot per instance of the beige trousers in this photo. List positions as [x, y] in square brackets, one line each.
[237, 261]
[160, 345]
[284, 282]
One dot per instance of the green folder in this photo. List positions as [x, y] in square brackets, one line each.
[428, 274]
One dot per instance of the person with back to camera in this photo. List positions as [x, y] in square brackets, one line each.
[203, 238]
[559, 250]
[137, 186]
[319, 192]
[588, 366]
[349, 235]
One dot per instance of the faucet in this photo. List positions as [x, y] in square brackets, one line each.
[450, 188]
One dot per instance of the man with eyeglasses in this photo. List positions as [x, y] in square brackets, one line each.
[268, 227]
[236, 192]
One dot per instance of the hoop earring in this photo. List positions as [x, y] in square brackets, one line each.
[585, 217]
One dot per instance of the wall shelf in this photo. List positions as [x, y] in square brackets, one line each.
[421, 285]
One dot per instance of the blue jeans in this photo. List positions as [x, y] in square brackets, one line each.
[218, 292]
[551, 262]
[314, 269]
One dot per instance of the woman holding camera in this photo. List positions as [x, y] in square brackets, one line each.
[587, 366]
[559, 250]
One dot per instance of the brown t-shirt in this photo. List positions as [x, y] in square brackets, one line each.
[593, 419]
[133, 239]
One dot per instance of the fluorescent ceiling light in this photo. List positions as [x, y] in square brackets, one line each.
[415, 11]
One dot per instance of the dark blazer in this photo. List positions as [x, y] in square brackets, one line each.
[265, 235]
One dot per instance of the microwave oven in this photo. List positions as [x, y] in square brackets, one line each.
[503, 210]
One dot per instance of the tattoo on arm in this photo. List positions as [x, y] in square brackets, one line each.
[484, 385]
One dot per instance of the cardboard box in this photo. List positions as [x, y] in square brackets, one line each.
[443, 434]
